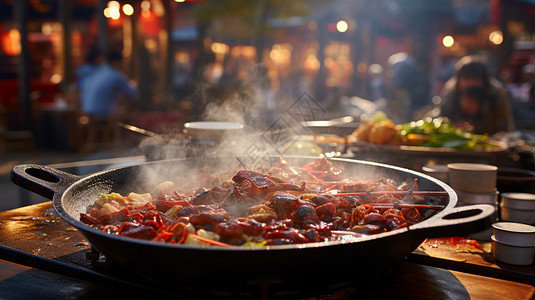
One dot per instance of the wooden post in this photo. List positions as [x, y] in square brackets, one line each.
[102, 26]
[133, 66]
[168, 45]
[320, 87]
[64, 16]
[23, 68]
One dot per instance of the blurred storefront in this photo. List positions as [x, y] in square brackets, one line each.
[323, 48]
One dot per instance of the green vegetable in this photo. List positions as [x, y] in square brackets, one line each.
[173, 210]
[379, 116]
[441, 133]
[107, 198]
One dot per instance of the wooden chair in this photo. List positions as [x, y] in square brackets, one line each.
[14, 139]
[98, 133]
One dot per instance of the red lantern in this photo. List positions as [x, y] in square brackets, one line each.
[150, 23]
[11, 42]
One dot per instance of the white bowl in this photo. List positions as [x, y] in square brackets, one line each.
[511, 254]
[518, 200]
[477, 198]
[517, 215]
[514, 233]
[213, 131]
[472, 178]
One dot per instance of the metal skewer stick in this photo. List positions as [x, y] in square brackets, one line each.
[415, 193]
[405, 205]
[137, 129]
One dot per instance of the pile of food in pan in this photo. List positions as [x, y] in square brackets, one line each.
[285, 204]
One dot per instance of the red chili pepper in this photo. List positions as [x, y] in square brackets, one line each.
[179, 232]
[163, 235]
[460, 240]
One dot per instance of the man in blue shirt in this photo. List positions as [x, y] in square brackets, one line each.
[104, 86]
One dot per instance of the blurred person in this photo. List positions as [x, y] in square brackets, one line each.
[472, 95]
[93, 59]
[514, 88]
[265, 95]
[105, 87]
[146, 74]
[474, 114]
[408, 89]
[230, 81]
[377, 83]
[444, 73]
[528, 72]
[524, 103]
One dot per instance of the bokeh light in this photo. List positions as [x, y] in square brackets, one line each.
[496, 37]
[128, 9]
[448, 41]
[342, 26]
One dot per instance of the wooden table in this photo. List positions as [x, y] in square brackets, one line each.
[41, 255]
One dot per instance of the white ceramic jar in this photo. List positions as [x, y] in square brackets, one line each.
[513, 243]
[477, 198]
[514, 233]
[518, 207]
[513, 254]
[472, 178]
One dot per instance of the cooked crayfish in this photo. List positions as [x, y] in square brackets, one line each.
[284, 205]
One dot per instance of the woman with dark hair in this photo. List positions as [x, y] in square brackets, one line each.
[473, 97]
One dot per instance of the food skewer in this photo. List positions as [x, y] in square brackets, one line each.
[366, 193]
[324, 182]
[410, 192]
[406, 205]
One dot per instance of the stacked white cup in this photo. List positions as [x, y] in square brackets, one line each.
[513, 243]
[518, 207]
[475, 183]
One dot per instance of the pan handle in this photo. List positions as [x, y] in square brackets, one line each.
[42, 180]
[458, 221]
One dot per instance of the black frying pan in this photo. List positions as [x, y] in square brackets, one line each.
[314, 263]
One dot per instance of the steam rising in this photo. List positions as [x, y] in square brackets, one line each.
[268, 127]
[271, 126]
